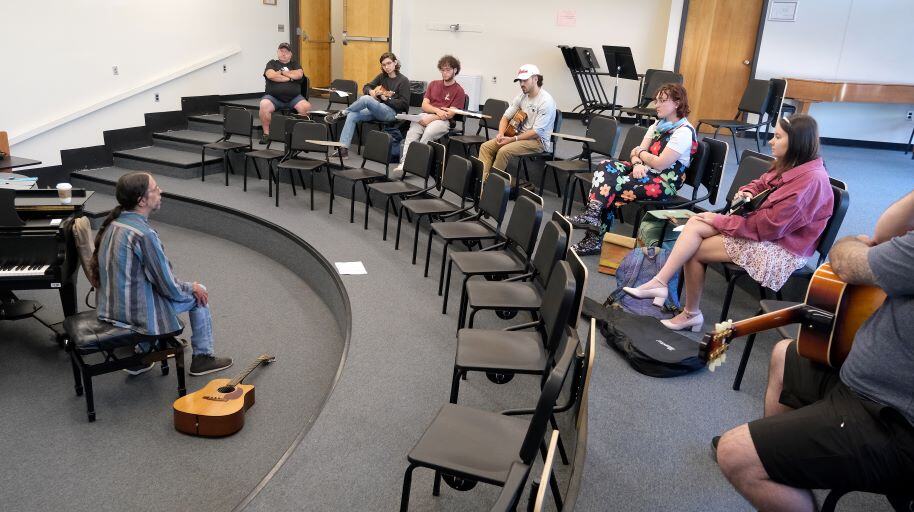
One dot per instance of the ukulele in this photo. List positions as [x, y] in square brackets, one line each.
[515, 123]
[829, 319]
[217, 409]
[383, 92]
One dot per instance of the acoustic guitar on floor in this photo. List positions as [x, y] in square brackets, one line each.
[218, 409]
[829, 319]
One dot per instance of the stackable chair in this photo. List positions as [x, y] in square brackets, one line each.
[297, 161]
[602, 133]
[495, 110]
[507, 257]
[756, 96]
[525, 158]
[465, 446]
[458, 179]
[483, 225]
[240, 122]
[420, 165]
[377, 149]
[583, 180]
[88, 339]
[515, 293]
[278, 133]
[654, 78]
[502, 353]
[704, 174]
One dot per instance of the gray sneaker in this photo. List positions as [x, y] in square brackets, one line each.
[334, 117]
[140, 368]
[203, 364]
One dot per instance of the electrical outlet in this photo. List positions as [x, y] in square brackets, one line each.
[494, 79]
[157, 97]
[224, 68]
[910, 115]
[281, 27]
[114, 70]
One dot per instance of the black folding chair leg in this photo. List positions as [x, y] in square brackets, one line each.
[227, 164]
[731, 285]
[733, 135]
[246, 160]
[447, 286]
[367, 203]
[276, 179]
[462, 310]
[90, 398]
[352, 204]
[561, 445]
[555, 178]
[386, 215]
[332, 188]
[416, 238]
[311, 188]
[455, 384]
[436, 488]
[399, 224]
[407, 483]
[744, 360]
[441, 272]
[428, 251]
[77, 377]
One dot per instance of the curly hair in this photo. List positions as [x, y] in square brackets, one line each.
[391, 56]
[677, 93]
[451, 62]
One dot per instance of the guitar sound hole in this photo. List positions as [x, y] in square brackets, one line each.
[226, 389]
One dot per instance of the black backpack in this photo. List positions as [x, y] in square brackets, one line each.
[648, 346]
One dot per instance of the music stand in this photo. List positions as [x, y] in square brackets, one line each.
[620, 64]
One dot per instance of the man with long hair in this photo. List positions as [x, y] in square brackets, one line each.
[138, 289]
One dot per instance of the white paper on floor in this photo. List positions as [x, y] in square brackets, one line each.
[350, 268]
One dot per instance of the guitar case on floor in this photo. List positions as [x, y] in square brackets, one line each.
[648, 346]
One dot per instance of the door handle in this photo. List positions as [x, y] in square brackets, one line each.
[371, 39]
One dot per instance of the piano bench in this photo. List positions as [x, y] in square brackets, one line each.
[86, 335]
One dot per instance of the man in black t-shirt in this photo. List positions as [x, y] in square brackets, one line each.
[283, 87]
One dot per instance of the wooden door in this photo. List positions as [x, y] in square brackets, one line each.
[718, 49]
[366, 26]
[314, 40]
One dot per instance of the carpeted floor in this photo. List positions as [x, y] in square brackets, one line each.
[131, 458]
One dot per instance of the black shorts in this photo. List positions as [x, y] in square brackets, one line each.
[835, 439]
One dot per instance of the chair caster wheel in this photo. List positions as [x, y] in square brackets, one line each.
[499, 378]
[505, 314]
[457, 483]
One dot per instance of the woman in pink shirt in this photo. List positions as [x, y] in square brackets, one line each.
[771, 242]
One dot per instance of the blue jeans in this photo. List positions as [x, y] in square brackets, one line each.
[201, 325]
[365, 108]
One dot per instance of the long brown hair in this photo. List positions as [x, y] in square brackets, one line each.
[802, 142]
[677, 93]
[131, 187]
[391, 56]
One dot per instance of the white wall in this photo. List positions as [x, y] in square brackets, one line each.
[849, 40]
[515, 33]
[58, 56]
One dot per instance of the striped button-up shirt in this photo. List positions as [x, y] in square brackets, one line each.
[138, 287]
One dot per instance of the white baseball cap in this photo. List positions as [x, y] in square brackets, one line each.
[526, 71]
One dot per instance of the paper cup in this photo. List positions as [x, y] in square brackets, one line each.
[65, 192]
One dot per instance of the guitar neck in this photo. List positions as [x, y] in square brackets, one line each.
[773, 320]
[247, 371]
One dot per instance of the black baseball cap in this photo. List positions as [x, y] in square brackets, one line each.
[285, 45]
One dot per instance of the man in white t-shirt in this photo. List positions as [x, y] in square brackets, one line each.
[533, 133]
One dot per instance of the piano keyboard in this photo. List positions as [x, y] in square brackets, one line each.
[11, 270]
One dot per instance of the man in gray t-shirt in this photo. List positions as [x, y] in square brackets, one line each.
[533, 134]
[853, 429]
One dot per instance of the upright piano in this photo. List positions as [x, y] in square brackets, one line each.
[805, 91]
[37, 248]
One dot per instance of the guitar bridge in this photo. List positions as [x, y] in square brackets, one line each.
[215, 398]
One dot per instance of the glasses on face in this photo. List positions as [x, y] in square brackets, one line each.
[661, 100]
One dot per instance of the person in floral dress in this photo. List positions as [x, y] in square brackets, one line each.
[655, 169]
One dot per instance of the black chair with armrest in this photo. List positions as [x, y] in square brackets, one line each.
[494, 110]
[583, 180]
[278, 134]
[600, 138]
[88, 338]
[295, 161]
